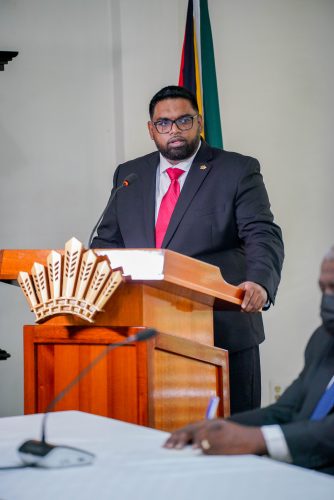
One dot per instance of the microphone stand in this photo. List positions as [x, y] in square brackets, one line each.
[127, 181]
[43, 454]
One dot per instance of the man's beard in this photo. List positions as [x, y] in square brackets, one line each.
[181, 152]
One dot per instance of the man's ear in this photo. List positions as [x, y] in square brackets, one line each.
[200, 121]
[150, 129]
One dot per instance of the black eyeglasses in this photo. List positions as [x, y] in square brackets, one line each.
[165, 125]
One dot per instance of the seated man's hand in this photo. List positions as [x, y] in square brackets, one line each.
[227, 438]
[255, 296]
[186, 435]
[219, 437]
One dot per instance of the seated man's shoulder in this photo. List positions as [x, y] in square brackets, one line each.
[320, 341]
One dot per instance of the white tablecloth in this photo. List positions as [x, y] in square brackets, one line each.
[131, 464]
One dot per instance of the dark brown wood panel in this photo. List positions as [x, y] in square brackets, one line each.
[163, 383]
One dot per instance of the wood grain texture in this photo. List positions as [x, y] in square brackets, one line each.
[162, 383]
[57, 354]
[186, 375]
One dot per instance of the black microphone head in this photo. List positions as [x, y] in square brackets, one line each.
[129, 179]
[148, 333]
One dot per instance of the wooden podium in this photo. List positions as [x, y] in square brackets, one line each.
[163, 383]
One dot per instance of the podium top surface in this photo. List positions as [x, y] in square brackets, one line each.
[152, 266]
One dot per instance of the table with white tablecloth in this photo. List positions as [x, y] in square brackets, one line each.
[130, 463]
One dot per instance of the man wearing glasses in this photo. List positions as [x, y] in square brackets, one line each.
[209, 204]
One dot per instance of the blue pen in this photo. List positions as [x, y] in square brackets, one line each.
[211, 410]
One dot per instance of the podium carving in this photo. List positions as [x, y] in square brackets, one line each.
[163, 383]
[77, 284]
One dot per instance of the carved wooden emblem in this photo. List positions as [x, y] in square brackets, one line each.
[78, 283]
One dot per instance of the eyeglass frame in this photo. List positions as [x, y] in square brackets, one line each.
[175, 121]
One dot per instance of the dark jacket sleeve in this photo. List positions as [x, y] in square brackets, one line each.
[262, 238]
[281, 412]
[246, 244]
[311, 443]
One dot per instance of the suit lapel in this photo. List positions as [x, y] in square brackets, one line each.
[197, 173]
[149, 190]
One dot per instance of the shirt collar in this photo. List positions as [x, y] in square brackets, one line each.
[184, 165]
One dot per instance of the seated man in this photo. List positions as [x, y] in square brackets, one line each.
[299, 427]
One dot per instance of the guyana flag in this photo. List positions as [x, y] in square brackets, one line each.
[198, 71]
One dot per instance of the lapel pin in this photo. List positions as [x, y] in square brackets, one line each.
[202, 167]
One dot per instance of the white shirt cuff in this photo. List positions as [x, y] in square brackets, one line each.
[276, 444]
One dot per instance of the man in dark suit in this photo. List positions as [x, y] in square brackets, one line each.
[299, 427]
[222, 216]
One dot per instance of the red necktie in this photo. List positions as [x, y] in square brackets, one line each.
[167, 205]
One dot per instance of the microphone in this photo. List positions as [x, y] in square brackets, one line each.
[43, 454]
[126, 183]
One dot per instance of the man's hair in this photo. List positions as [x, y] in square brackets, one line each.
[172, 92]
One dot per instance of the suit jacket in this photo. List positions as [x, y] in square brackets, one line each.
[222, 217]
[311, 443]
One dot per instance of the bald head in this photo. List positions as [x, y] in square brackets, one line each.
[326, 280]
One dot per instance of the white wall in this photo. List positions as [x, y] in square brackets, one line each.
[74, 104]
[277, 73]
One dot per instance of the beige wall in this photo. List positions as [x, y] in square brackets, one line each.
[74, 104]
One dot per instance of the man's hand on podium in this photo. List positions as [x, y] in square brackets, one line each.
[255, 297]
